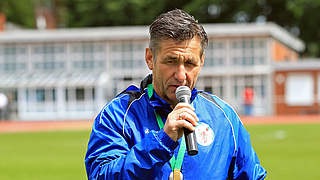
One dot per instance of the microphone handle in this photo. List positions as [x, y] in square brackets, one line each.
[191, 142]
[190, 136]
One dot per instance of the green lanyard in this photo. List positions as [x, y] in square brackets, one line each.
[175, 163]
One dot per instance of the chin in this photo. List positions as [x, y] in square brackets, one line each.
[173, 100]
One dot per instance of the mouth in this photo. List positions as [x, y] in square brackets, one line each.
[175, 86]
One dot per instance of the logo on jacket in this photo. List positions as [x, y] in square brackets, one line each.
[204, 134]
[146, 131]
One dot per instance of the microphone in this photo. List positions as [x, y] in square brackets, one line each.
[183, 94]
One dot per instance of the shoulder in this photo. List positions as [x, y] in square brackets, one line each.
[223, 105]
[228, 111]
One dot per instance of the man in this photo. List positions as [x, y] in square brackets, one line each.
[138, 134]
[248, 95]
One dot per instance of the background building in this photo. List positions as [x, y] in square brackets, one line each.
[71, 73]
[297, 87]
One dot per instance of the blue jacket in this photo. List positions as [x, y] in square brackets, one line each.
[126, 142]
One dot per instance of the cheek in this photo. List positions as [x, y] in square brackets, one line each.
[159, 76]
[193, 75]
[164, 72]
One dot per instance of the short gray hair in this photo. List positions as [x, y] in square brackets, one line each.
[177, 25]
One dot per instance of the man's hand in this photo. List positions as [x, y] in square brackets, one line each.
[182, 116]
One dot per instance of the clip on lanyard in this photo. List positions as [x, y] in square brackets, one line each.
[176, 164]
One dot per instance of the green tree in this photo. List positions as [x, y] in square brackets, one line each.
[300, 17]
[307, 18]
[20, 12]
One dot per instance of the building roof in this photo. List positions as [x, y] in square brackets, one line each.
[141, 32]
[75, 34]
[255, 29]
[302, 64]
[53, 79]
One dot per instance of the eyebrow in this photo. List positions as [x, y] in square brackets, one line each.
[171, 57]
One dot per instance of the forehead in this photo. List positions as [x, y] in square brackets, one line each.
[170, 46]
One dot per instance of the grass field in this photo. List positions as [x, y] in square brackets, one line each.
[286, 151]
[46, 155]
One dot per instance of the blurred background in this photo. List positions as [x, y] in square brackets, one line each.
[63, 60]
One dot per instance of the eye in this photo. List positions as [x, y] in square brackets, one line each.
[190, 63]
[171, 60]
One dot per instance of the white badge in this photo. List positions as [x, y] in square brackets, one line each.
[204, 134]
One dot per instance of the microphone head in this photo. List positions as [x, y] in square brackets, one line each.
[183, 91]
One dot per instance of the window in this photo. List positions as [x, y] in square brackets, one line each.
[48, 57]
[88, 56]
[213, 85]
[299, 90]
[66, 92]
[40, 95]
[236, 84]
[262, 87]
[215, 54]
[12, 58]
[45, 95]
[127, 54]
[248, 52]
[80, 96]
[257, 82]
[41, 100]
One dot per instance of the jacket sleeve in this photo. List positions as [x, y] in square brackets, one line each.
[111, 155]
[247, 165]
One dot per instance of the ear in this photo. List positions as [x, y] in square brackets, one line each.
[149, 58]
[202, 60]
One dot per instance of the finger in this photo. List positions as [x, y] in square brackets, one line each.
[183, 105]
[189, 116]
[185, 124]
[190, 113]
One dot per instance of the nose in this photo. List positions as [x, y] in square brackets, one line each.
[180, 74]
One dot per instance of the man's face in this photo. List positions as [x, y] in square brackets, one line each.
[175, 64]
